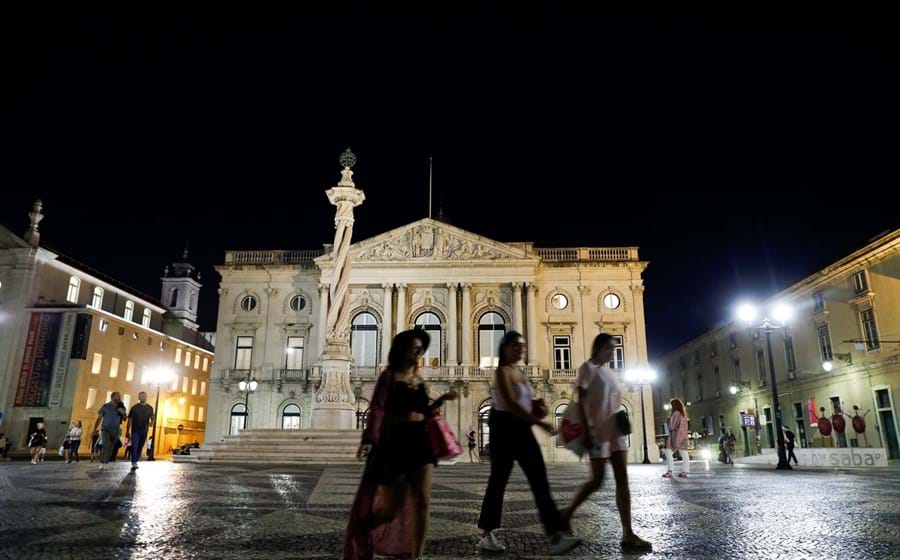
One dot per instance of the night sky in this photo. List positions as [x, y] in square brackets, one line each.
[741, 155]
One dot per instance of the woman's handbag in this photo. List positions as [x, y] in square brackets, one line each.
[573, 430]
[443, 441]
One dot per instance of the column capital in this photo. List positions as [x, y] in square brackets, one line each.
[401, 285]
[466, 286]
[637, 288]
[453, 285]
[323, 287]
[531, 287]
[517, 286]
[388, 285]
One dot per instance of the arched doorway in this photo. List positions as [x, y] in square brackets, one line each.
[431, 323]
[484, 429]
[290, 417]
[238, 419]
[491, 328]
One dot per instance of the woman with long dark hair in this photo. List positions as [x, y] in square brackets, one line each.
[677, 440]
[391, 508]
[511, 418]
[601, 401]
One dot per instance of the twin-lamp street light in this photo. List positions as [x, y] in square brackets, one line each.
[158, 376]
[247, 387]
[776, 317]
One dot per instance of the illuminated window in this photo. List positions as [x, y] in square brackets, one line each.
[146, 320]
[177, 355]
[91, 397]
[97, 363]
[114, 367]
[97, 299]
[129, 373]
[72, 294]
[129, 310]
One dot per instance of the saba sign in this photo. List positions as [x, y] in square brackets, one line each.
[842, 457]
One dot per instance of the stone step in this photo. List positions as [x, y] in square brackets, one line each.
[274, 446]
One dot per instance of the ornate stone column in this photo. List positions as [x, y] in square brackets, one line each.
[333, 405]
[517, 306]
[452, 354]
[531, 310]
[401, 307]
[467, 325]
[323, 320]
[387, 323]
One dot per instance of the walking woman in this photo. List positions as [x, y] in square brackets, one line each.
[473, 446]
[73, 442]
[677, 440]
[511, 419]
[390, 512]
[37, 441]
[600, 399]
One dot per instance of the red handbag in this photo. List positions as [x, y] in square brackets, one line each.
[443, 441]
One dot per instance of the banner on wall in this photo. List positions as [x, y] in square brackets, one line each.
[813, 417]
[61, 364]
[36, 374]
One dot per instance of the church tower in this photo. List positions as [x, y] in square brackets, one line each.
[180, 292]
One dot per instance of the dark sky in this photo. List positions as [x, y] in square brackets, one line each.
[739, 154]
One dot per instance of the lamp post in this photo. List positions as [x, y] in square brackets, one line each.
[780, 315]
[641, 377]
[247, 387]
[738, 387]
[158, 376]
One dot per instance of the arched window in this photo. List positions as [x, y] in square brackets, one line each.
[484, 429]
[129, 310]
[558, 414]
[97, 299]
[74, 285]
[364, 340]
[238, 418]
[146, 320]
[431, 323]
[491, 329]
[290, 417]
[173, 300]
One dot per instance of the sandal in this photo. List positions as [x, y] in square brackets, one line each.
[668, 474]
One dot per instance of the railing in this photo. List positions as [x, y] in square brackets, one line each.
[236, 374]
[363, 373]
[272, 257]
[292, 375]
[563, 374]
[589, 254]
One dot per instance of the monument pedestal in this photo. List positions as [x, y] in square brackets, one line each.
[334, 400]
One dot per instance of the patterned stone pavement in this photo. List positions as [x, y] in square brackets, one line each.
[174, 511]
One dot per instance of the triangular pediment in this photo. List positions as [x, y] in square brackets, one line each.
[9, 240]
[431, 240]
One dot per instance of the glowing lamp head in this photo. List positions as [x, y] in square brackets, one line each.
[746, 312]
[827, 366]
[782, 313]
[733, 389]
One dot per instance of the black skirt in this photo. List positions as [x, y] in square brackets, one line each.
[403, 449]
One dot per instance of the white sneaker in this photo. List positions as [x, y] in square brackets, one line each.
[560, 543]
[33, 462]
[490, 543]
[101, 467]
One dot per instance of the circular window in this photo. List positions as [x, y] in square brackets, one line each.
[248, 303]
[611, 301]
[559, 301]
[298, 303]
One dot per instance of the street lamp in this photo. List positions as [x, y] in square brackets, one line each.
[641, 377]
[158, 376]
[775, 317]
[247, 387]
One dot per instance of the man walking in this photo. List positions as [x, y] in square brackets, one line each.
[791, 440]
[109, 422]
[139, 420]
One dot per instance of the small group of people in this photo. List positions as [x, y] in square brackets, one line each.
[108, 429]
[390, 512]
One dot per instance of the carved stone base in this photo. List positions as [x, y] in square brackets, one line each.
[333, 404]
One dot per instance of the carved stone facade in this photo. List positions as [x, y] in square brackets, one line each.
[477, 288]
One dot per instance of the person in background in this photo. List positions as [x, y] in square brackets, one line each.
[678, 440]
[473, 446]
[109, 421]
[37, 441]
[790, 440]
[73, 442]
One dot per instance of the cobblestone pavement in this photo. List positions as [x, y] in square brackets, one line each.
[174, 511]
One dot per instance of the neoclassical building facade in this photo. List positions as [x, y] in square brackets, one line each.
[465, 290]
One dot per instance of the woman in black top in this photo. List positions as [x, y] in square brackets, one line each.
[37, 441]
[399, 458]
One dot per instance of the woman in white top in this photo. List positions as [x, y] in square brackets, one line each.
[73, 442]
[598, 393]
[512, 416]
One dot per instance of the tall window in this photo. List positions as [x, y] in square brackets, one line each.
[290, 418]
[761, 366]
[736, 363]
[129, 310]
[97, 363]
[364, 340]
[202, 388]
[824, 343]
[618, 360]
[129, 371]
[789, 352]
[733, 340]
[717, 377]
[194, 387]
[431, 324]
[196, 361]
[699, 386]
[562, 352]
[145, 322]
[114, 367]
[491, 329]
[192, 413]
[200, 414]
[97, 298]
[818, 301]
[860, 282]
[294, 353]
[177, 355]
[870, 330]
[91, 398]
[74, 285]
[238, 418]
[205, 364]
[187, 358]
[173, 299]
[243, 352]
